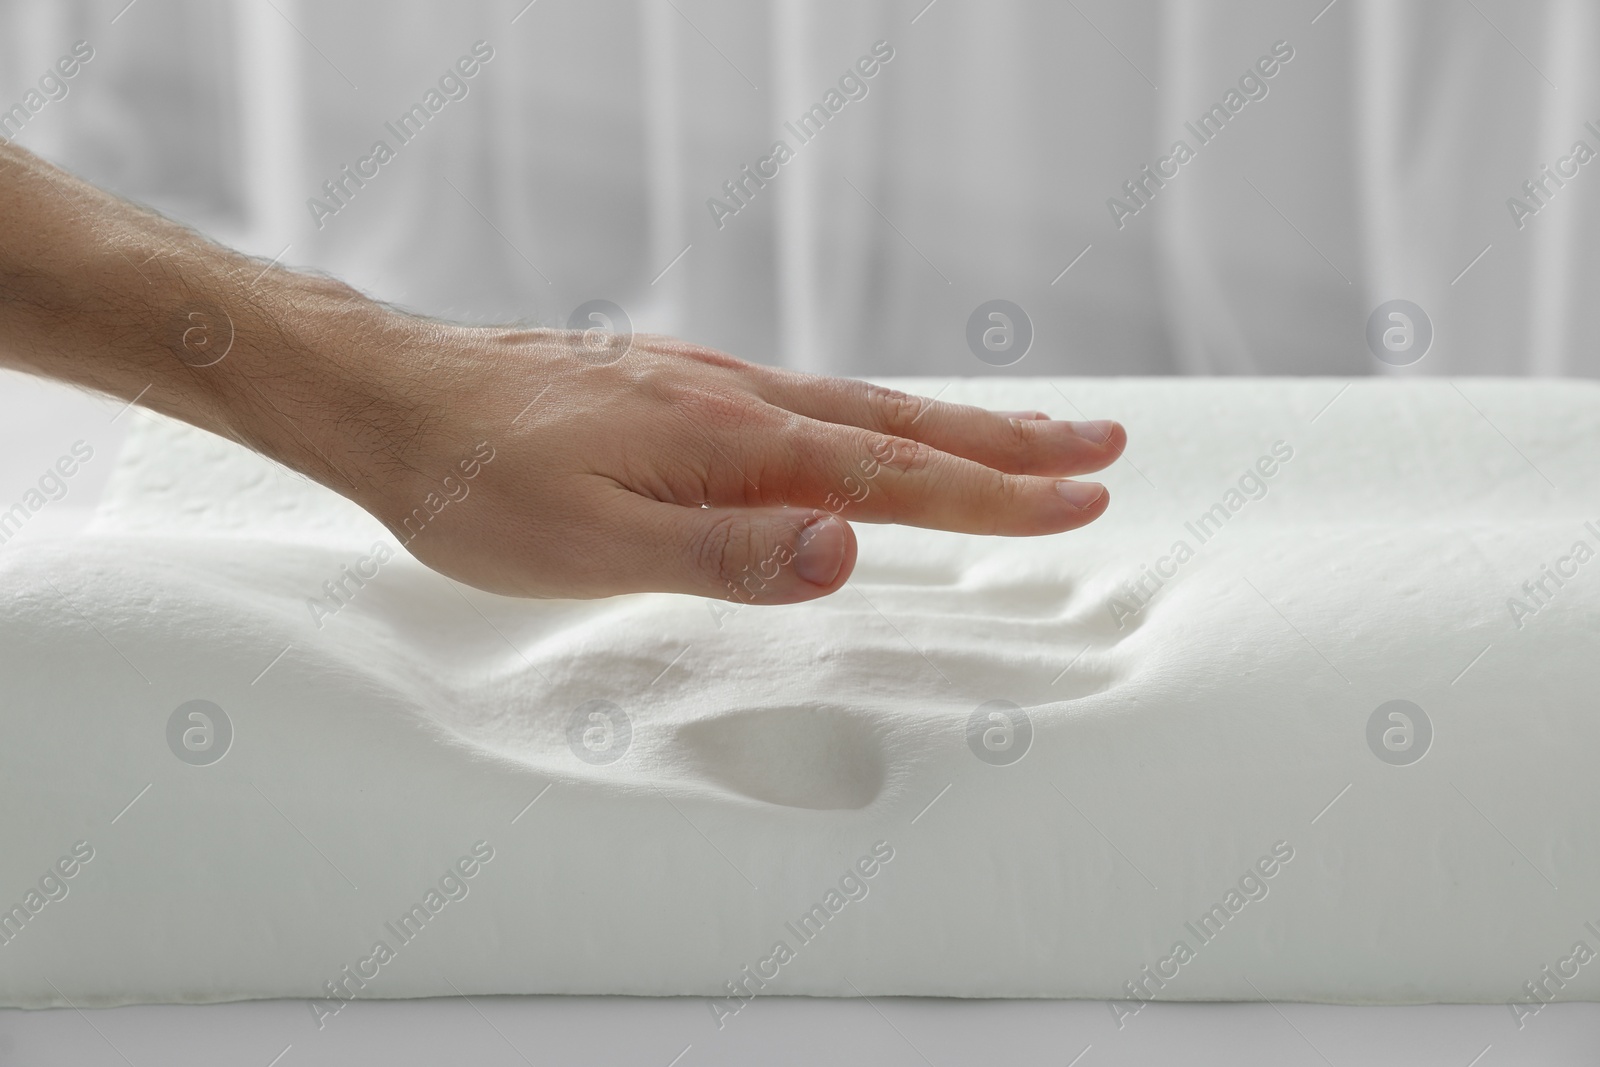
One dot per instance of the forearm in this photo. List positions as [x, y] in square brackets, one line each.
[114, 298]
[662, 466]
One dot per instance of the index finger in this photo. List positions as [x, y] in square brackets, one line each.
[1027, 442]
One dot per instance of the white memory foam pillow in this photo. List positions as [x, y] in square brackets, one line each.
[1159, 757]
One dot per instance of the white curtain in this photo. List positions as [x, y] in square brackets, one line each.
[977, 165]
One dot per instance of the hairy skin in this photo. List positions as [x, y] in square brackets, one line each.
[618, 465]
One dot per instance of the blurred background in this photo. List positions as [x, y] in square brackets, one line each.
[579, 162]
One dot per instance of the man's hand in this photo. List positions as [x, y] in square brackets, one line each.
[524, 462]
[681, 469]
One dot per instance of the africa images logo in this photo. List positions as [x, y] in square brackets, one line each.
[199, 732]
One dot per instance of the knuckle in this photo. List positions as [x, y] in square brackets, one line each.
[707, 407]
[903, 455]
[721, 548]
[1008, 492]
[894, 410]
[1001, 499]
[1019, 434]
[784, 468]
[713, 358]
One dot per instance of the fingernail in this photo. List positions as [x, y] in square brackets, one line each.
[1080, 494]
[821, 551]
[1098, 431]
[1030, 415]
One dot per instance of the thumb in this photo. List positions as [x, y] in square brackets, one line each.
[747, 555]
